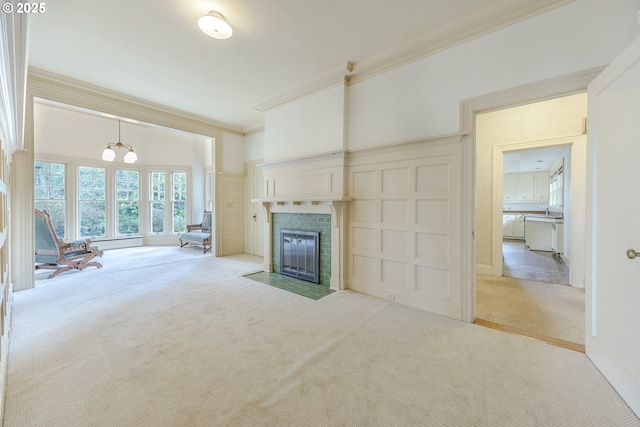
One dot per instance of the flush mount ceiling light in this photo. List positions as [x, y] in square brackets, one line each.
[214, 25]
[109, 155]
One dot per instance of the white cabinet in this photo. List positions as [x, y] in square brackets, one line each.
[526, 187]
[541, 190]
[509, 186]
[513, 226]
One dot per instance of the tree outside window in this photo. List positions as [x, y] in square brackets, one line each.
[50, 193]
[128, 199]
[92, 203]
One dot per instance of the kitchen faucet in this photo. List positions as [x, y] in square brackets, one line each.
[546, 209]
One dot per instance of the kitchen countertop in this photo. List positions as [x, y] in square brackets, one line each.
[518, 212]
[543, 218]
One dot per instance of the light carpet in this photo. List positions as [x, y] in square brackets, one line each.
[556, 311]
[192, 343]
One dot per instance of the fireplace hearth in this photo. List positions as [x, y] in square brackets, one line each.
[300, 254]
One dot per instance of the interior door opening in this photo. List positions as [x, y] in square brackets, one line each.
[536, 190]
[531, 202]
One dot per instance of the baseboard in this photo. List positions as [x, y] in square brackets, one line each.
[118, 243]
[484, 269]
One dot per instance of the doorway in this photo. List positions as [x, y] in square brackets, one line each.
[520, 136]
[536, 188]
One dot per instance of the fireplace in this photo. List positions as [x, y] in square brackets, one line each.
[321, 216]
[300, 254]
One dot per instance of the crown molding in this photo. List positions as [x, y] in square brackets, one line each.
[54, 87]
[329, 79]
[256, 128]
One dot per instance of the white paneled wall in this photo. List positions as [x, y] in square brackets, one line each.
[404, 224]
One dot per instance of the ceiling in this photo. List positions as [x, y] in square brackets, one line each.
[153, 49]
[532, 160]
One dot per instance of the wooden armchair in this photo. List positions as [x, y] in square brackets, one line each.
[55, 254]
[199, 234]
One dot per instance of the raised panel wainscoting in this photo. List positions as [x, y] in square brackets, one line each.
[396, 218]
[404, 231]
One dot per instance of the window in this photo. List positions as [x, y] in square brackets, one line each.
[128, 199]
[50, 193]
[157, 201]
[92, 203]
[179, 180]
[110, 202]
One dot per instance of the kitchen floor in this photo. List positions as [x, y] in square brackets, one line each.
[521, 263]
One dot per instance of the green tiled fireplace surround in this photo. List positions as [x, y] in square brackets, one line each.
[305, 222]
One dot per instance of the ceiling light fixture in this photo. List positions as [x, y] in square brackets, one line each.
[214, 25]
[109, 155]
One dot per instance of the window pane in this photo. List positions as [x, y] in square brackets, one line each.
[128, 218]
[56, 193]
[92, 218]
[41, 180]
[157, 217]
[56, 180]
[179, 186]
[128, 204]
[157, 186]
[49, 184]
[41, 168]
[179, 225]
[55, 208]
[85, 183]
[57, 168]
[157, 197]
[178, 205]
[93, 211]
[41, 193]
[85, 172]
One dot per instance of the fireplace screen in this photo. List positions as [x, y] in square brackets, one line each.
[300, 254]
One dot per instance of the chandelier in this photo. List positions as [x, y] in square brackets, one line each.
[109, 155]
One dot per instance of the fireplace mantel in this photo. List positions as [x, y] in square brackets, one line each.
[302, 200]
[335, 206]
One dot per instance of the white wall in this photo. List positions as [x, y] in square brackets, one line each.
[311, 125]
[232, 153]
[254, 146]
[422, 99]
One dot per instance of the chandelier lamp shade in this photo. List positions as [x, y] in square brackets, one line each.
[214, 25]
[109, 154]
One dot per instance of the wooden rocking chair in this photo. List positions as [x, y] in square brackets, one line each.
[55, 254]
[199, 234]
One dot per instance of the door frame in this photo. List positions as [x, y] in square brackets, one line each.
[539, 91]
[577, 256]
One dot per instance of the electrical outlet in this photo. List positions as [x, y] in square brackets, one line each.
[391, 297]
